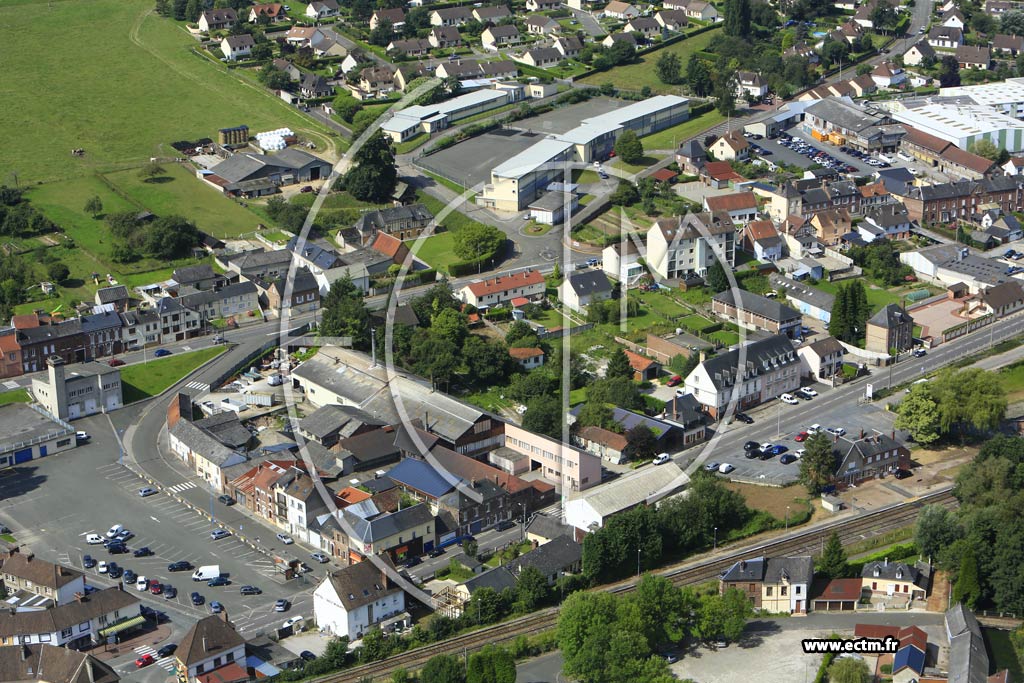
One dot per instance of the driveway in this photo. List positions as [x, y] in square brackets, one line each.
[588, 23]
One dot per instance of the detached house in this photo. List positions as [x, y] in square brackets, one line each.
[890, 328]
[621, 10]
[450, 16]
[274, 12]
[677, 247]
[568, 46]
[496, 37]
[896, 578]
[646, 26]
[822, 359]
[580, 289]
[740, 206]
[543, 58]
[888, 221]
[762, 240]
[217, 19]
[237, 47]
[974, 57]
[752, 84]
[730, 147]
[491, 14]
[869, 456]
[1008, 45]
[527, 358]
[918, 53]
[444, 37]
[888, 75]
[350, 601]
[541, 24]
[672, 19]
[527, 284]
[396, 16]
[778, 585]
[320, 9]
[945, 37]
[212, 644]
[542, 5]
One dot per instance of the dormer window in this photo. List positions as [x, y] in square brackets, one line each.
[877, 572]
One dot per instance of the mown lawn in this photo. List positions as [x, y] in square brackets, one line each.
[16, 396]
[670, 138]
[877, 298]
[1001, 652]
[636, 76]
[129, 86]
[438, 251]
[142, 380]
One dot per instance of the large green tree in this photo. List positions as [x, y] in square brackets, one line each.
[716, 279]
[618, 366]
[443, 669]
[531, 590]
[641, 443]
[492, 664]
[477, 240]
[737, 18]
[668, 68]
[344, 314]
[833, 562]
[849, 670]
[698, 76]
[544, 416]
[936, 529]
[918, 414]
[374, 175]
[967, 588]
[629, 148]
[818, 464]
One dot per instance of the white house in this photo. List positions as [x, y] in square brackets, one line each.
[621, 10]
[741, 206]
[810, 301]
[622, 263]
[23, 571]
[527, 358]
[945, 37]
[822, 359]
[918, 53]
[210, 644]
[303, 502]
[351, 600]
[677, 248]
[888, 75]
[588, 510]
[527, 284]
[730, 147]
[237, 47]
[215, 19]
[79, 623]
[750, 83]
[580, 289]
[318, 9]
[542, 5]
[497, 37]
[953, 19]
[207, 456]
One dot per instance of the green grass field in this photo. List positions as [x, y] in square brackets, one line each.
[670, 138]
[438, 251]
[636, 76]
[142, 380]
[128, 86]
[16, 396]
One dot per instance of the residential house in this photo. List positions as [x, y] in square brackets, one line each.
[296, 493]
[217, 19]
[762, 240]
[102, 334]
[237, 47]
[885, 578]
[691, 157]
[740, 206]
[891, 328]
[211, 645]
[394, 15]
[755, 312]
[945, 37]
[495, 38]
[321, 9]
[613, 38]
[304, 296]
[568, 46]
[672, 19]
[622, 261]
[528, 284]
[53, 664]
[644, 369]
[1014, 167]
[202, 276]
[1004, 299]
[37, 344]
[888, 221]
[570, 467]
[863, 85]
[374, 81]
[554, 559]
[869, 456]
[974, 57]
[677, 247]
[581, 288]
[605, 444]
[450, 16]
[444, 37]
[83, 622]
[403, 222]
[1007, 45]
[116, 296]
[303, 36]
[730, 147]
[888, 75]
[542, 25]
[695, 9]
[349, 601]
[545, 58]
[686, 414]
[22, 571]
[141, 327]
[260, 265]
[751, 84]
[331, 423]
[772, 368]
[272, 12]
[527, 358]
[313, 85]
[391, 247]
[831, 225]
[947, 202]
[491, 14]
[776, 585]
[648, 27]
[414, 47]
[79, 390]
[542, 5]
[203, 453]
[10, 356]
[918, 53]
[810, 301]
[822, 359]
[369, 450]
[953, 19]
[616, 9]
[233, 301]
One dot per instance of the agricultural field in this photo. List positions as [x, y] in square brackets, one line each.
[108, 103]
[636, 76]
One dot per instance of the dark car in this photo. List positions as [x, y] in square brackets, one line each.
[504, 524]
[250, 590]
[744, 418]
[160, 353]
[307, 656]
[170, 592]
[115, 362]
[411, 562]
[902, 474]
[218, 581]
[437, 552]
[227, 500]
[197, 599]
[166, 650]
[751, 446]
[142, 552]
[179, 566]
[787, 458]
[117, 548]
[113, 571]
[130, 576]
[750, 455]
[88, 562]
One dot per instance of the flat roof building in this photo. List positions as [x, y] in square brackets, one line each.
[417, 119]
[27, 432]
[961, 123]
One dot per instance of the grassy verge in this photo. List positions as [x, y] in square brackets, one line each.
[16, 396]
[636, 76]
[438, 251]
[1001, 652]
[143, 380]
[411, 144]
[453, 186]
[670, 138]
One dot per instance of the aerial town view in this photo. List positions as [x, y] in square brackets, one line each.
[512, 341]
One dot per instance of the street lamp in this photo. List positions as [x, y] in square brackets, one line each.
[787, 518]
[120, 444]
[716, 539]
[638, 561]
[522, 535]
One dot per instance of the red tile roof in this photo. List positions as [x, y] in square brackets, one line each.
[24, 322]
[721, 170]
[841, 589]
[874, 190]
[912, 635]
[664, 174]
[603, 437]
[523, 354]
[761, 230]
[732, 202]
[877, 631]
[9, 343]
[926, 141]
[350, 496]
[390, 246]
[229, 673]
[520, 301]
[506, 282]
[966, 159]
[638, 362]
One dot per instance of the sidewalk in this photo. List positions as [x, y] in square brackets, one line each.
[152, 637]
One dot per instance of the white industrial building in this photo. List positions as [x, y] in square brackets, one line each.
[417, 119]
[962, 124]
[588, 510]
[1003, 96]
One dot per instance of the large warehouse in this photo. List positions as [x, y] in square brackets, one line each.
[949, 118]
[518, 181]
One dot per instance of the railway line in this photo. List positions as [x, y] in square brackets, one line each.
[804, 542]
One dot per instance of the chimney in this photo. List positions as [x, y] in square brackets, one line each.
[204, 645]
[89, 671]
[862, 433]
[893, 435]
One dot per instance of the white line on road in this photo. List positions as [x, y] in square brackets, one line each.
[154, 519]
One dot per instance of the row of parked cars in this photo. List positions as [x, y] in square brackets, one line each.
[816, 155]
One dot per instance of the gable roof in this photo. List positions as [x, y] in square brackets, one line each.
[639, 363]
[772, 309]
[25, 565]
[361, 583]
[604, 437]
[69, 615]
[776, 350]
[554, 556]
[500, 284]
[524, 353]
[890, 316]
[736, 201]
[209, 637]
[498, 579]
[380, 527]
[589, 282]
[52, 664]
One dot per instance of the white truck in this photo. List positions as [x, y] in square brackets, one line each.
[207, 572]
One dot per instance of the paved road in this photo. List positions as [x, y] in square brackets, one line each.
[588, 23]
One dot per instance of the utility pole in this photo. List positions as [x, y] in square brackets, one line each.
[716, 539]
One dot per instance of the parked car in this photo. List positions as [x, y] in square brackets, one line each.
[504, 525]
[94, 539]
[88, 562]
[197, 599]
[662, 458]
[101, 567]
[919, 353]
[82, 436]
[778, 449]
[250, 590]
[800, 393]
[115, 362]
[216, 607]
[809, 391]
[218, 581]
[789, 399]
[167, 650]
[117, 548]
[787, 458]
[437, 552]
[155, 587]
[114, 531]
[130, 576]
[124, 535]
[320, 557]
[711, 467]
[744, 418]
[836, 431]
[411, 562]
[218, 534]
[291, 621]
[147, 491]
[802, 436]
[227, 500]
[307, 656]
[725, 468]
[170, 592]
[113, 571]
[281, 605]
[902, 474]
[179, 566]
[751, 446]
[285, 538]
[160, 353]
[144, 661]
[676, 379]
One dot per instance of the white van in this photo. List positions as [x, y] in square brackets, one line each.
[210, 571]
[903, 156]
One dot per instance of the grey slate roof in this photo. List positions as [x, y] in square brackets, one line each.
[207, 638]
[206, 296]
[554, 556]
[498, 578]
[361, 584]
[800, 292]
[968, 659]
[259, 259]
[775, 349]
[745, 570]
[190, 274]
[52, 664]
[771, 309]
[108, 295]
[377, 220]
[685, 410]
[324, 259]
[589, 282]
[547, 527]
[100, 321]
[390, 524]
[204, 443]
[792, 569]
[335, 419]
[844, 114]
[890, 316]
[69, 615]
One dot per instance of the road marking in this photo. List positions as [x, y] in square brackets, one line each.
[154, 519]
[185, 486]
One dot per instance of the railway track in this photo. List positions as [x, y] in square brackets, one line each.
[807, 542]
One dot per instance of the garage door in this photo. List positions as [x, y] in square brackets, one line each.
[22, 456]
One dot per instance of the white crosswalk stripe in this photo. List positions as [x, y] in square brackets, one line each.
[166, 663]
[145, 650]
[198, 386]
[178, 488]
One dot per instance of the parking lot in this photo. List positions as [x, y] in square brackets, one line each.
[778, 423]
[795, 158]
[54, 503]
[470, 162]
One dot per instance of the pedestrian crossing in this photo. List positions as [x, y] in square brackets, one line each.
[184, 486]
[201, 387]
[166, 663]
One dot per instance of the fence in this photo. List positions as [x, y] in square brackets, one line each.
[967, 327]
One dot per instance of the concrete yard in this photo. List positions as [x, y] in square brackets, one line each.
[937, 317]
[776, 655]
[470, 162]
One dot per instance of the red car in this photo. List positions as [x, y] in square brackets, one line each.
[144, 660]
[155, 587]
[676, 379]
[802, 436]
[115, 362]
